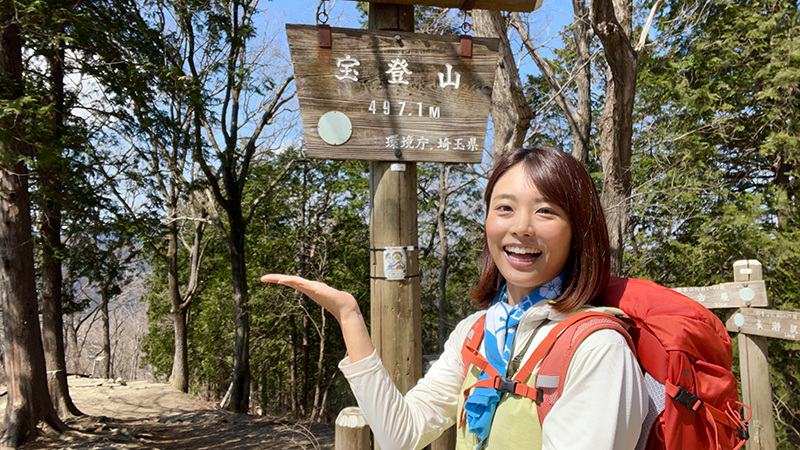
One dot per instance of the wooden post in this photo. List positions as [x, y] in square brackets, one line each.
[753, 359]
[395, 304]
[352, 431]
[396, 316]
[447, 441]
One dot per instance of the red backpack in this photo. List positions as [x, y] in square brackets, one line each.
[683, 348]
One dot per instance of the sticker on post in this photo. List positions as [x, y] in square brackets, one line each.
[394, 263]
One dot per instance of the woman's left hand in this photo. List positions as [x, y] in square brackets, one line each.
[341, 305]
[337, 302]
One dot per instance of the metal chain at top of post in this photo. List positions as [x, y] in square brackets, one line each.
[322, 12]
[466, 27]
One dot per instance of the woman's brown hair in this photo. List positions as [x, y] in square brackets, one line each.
[564, 181]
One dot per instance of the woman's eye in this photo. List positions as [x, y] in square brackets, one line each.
[548, 211]
[503, 208]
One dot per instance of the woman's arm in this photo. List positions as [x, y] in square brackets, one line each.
[398, 421]
[341, 305]
[413, 420]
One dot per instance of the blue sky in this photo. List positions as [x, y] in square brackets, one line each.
[547, 20]
[342, 13]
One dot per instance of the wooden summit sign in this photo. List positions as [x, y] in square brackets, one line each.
[392, 96]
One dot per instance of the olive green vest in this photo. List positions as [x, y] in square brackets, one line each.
[515, 424]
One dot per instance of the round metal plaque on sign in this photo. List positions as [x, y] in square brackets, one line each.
[335, 128]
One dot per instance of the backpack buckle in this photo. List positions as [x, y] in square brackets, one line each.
[505, 384]
[744, 433]
[690, 401]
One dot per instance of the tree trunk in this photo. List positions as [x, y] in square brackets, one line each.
[317, 408]
[28, 400]
[306, 322]
[611, 23]
[72, 350]
[238, 397]
[583, 83]
[229, 194]
[50, 229]
[305, 363]
[240, 385]
[292, 368]
[444, 258]
[179, 379]
[511, 115]
[105, 366]
[783, 166]
[52, 323]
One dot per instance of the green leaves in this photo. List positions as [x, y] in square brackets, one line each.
[715, 163]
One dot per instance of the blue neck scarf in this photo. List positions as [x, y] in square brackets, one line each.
[500, 329]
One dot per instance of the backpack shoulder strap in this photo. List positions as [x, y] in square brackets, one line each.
[469, 351]
[553, 370]
[471, 356]
[556, 350]
[564, 338]
[545, 347]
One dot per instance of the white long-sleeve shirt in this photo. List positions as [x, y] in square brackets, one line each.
[602, 407]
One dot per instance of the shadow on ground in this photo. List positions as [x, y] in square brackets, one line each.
[143, 415]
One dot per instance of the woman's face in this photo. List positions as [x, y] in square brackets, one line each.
[529, 237]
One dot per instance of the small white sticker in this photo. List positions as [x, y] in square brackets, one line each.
[747, 294]
[746, 271]
[738, 319]
[397, 167]
[394, 263]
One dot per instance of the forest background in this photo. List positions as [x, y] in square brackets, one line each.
[167, 173]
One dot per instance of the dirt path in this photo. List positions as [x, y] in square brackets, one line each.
[144, 415]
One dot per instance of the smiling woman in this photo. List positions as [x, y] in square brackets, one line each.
[567, 195]
[528, 236]
[545, 256]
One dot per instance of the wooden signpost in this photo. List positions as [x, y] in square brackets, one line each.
[392, 95]
[728, 295]
[766, 322]
[754, 366]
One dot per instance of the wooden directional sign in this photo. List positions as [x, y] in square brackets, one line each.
[766, 322]
[728, 295]
[392, 96]
[492, 5]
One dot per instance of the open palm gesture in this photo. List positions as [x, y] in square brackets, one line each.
[341, 305]
[337, 302]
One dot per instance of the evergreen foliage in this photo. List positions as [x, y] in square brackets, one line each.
[716, 162]
[314, 226]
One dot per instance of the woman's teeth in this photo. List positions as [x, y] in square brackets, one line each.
[521, 250]
[522, 253]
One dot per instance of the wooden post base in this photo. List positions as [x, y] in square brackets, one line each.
[352, 431]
